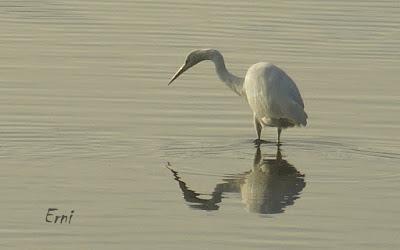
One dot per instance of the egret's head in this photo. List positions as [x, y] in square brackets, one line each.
[192, 59]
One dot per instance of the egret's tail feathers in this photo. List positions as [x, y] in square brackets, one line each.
[305, 119]
[297, 114]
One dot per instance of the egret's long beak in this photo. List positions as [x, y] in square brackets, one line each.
[178, 73]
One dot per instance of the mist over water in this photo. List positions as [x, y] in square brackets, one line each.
[88, 123]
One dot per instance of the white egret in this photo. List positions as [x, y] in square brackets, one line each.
[272, 95]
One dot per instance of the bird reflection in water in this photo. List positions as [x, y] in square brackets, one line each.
[268, 188]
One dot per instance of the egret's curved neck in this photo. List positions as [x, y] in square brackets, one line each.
[233, 82]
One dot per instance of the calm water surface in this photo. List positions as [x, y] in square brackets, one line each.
[88, 124]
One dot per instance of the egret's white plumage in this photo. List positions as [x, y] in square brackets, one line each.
[272, 95]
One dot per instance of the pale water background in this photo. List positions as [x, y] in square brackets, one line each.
[88, 123]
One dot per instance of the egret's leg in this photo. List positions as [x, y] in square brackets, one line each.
[258, 127]
[279, 135]
[257, 157]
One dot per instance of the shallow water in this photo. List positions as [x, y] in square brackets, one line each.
[88, 124]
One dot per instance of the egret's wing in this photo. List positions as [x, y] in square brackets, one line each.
[286, 86]
[273, 94]
[283, 96]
